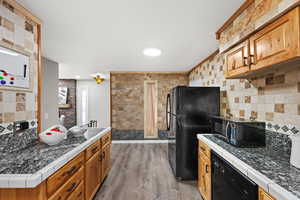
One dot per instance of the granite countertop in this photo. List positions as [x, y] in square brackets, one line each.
[36, 156]
[271, 164]
[38, 161]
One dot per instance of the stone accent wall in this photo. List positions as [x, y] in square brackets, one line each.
[273, 98]
[18, 32]
[128, 98]
[70, 113]
[253, 18]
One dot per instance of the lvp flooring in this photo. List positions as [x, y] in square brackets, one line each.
[142, 172]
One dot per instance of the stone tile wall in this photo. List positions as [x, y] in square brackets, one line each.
[128, 98]
[273, 98]
[255, 16]
[19, 32]
[70, 113]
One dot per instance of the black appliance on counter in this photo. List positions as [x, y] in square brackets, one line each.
[229, 183]
[189, 111]
[240, 132]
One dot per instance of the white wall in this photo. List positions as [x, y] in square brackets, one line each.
[49, 94]
[98, 101]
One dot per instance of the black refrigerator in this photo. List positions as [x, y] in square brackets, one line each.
[189, 111]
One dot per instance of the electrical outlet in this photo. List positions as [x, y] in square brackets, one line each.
[21, 126]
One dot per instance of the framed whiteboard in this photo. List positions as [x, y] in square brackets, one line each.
[15, 70]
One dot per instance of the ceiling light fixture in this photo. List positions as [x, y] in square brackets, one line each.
[98, 78]
[152, 52]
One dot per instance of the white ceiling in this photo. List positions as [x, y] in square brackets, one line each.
[110, 35]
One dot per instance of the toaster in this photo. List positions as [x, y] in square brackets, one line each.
[240, 132]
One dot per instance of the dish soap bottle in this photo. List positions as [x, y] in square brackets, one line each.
[295, 158]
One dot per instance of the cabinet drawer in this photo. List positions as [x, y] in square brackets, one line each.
[263, 195]
[106, 139]
[69, 187]
[63, 174]
[92, 150]
[203, 148]
[78, 194]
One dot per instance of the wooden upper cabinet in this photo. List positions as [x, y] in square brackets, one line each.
[276, 43]
[270, 47]
[237, 60]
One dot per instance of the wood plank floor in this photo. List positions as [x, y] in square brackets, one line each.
[142, 172]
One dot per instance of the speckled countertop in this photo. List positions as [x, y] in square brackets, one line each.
[36, 156]
[274, 166]
[30, 166]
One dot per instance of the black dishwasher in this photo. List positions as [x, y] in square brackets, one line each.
[230, 184]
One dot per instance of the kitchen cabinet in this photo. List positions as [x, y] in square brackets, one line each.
[106, 162]
[65, 173]
[262, 195]
[270, 47]
[277, 42]
[69, 187]
[204, 171]
[237, 60]
[92, 175]
[105, 155]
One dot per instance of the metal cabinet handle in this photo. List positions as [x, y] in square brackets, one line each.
[252, 59]
[246, 61]
[70, 171]
[94, 150]
[73, 186]
[206, 169]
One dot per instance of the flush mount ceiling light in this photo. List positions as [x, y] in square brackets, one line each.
[98, 78]
[152, 52]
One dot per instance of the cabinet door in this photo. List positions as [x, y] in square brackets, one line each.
[237, 60]
[276, 43]
[106, 162]
[205, 178]
[92, 176]
[262, 195]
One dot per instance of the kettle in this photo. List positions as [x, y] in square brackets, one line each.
[295, 158]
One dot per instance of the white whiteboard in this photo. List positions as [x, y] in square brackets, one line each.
[14, 69]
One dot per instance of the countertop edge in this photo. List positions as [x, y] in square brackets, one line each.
[33, 180]
[267, 184]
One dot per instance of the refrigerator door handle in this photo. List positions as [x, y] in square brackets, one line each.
[168, 114]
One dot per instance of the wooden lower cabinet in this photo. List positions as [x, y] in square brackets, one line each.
[69, 187]
[79, 179]
[204, 171]
[92, 175]
[204, 181]
[78, 194]
[37, 193]
[106, 162]
[262, 195]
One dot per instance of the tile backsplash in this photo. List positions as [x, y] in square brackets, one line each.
[19, 32]
[273, 98]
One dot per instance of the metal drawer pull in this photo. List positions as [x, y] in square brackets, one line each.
[206, 169]
[94, 150]
[71, 189]
[70, 171]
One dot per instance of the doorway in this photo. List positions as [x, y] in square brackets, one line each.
[150, 109]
